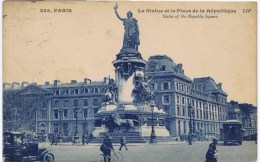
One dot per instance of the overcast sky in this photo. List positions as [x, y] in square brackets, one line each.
[44, 46]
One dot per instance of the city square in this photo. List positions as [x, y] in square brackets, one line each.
[169, 152]
[151, 106]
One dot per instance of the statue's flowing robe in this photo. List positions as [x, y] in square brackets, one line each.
[131, 36]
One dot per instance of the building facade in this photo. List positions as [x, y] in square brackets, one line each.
[198, 106]
[246, 114]
[53, 108]
[174, 93]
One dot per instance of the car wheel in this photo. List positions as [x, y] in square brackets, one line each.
[48, 157]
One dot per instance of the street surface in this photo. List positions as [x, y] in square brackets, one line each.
[161, 152]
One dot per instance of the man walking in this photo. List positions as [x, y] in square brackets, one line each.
[123, 142]
[211, 155]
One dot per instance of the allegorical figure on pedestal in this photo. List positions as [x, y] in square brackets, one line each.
[131, 36]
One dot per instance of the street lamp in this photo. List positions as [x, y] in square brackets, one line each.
[60, 131]
[76, 135]
[190, 124]
[153, 136]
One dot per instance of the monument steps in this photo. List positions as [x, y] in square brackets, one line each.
[131, 137]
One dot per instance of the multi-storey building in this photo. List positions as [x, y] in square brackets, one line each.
[51, 108]
[174, 93]
[246, 114]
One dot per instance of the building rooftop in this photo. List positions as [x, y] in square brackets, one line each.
[207, 85]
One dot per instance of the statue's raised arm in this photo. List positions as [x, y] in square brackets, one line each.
[131, 35]
[115, 8]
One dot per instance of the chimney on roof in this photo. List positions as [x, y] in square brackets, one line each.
[56, 83]
[7, 86]
[220, 85]
[15, 85]
[106, 80]
[73, 81]
[24, 84]
[47, 83]
[87, 81]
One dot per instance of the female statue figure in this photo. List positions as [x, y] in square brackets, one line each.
[131, 36]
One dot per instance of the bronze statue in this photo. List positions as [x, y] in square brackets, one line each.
[131, 36]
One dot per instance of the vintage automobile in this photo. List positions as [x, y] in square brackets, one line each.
[16, 149]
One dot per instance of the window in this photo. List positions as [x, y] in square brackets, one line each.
[163, 68]
[67, 91]
[56, 103]
[183, 100]
[65, 103]
[95, 90]
[76, 91]
[166, 99]
[177, 86]
[65, 114]
[166, 86]
[86, 90]
[85, 113]
[178, 110]
[188, 89]
[152, 68]
[57, 92]
[75, 102]
[56, 114]
[178, 99]
[188, 101]
[44, 113]
[85, 102]
[182, 88]
[183, 111]
[95, 102]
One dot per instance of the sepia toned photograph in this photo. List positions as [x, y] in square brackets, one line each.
[87, 81]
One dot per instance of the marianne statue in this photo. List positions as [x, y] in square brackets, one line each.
[131, 36]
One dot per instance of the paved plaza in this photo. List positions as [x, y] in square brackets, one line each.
[161, 152]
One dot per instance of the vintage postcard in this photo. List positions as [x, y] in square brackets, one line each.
[88, 81]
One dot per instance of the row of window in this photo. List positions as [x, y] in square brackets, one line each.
[75, 91]
[206, 127]
[198, 104]
[64, 113]
[179, 87]
[167, 86]
[198, 114]
[74, 102]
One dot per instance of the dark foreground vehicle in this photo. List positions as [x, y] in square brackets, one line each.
[17, 150]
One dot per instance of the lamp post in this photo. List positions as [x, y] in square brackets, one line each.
[190, 124]
[153, 136]
[60, 131]
[76, 135]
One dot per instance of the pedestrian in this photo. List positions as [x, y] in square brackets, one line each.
[211, 155]
[123, 142]
[83, 138]
[190, 139]
[90, 137]
[106, 148]
[54, 140]
[255, 137]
